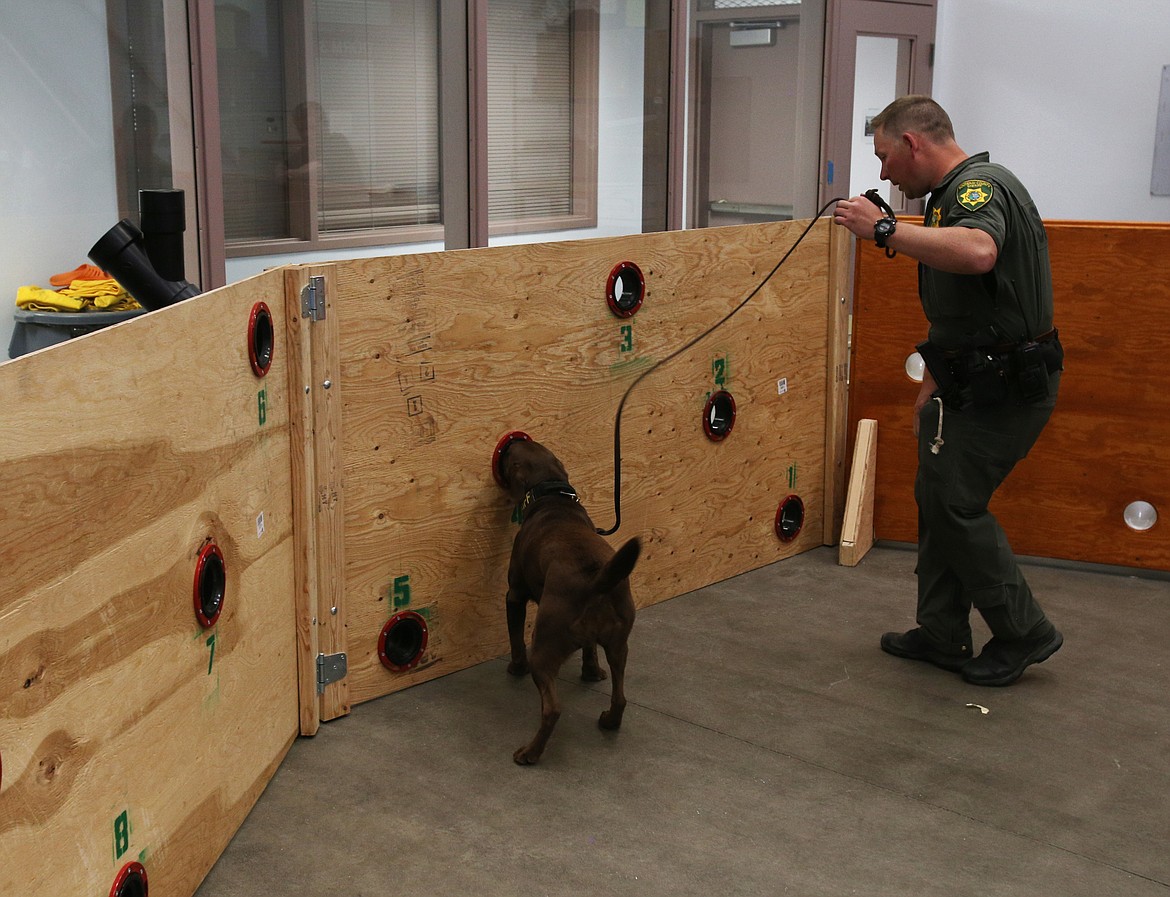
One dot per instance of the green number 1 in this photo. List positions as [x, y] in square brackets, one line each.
[627, 338]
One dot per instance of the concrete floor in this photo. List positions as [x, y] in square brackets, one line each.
[769, 748]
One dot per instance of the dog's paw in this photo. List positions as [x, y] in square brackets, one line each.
[594, 674]
[524, 757]
[609, 720]
[518, 668]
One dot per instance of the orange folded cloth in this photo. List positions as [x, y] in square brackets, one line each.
[81, 272]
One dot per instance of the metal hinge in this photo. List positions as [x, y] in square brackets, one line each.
[313, 298]
[330, 668]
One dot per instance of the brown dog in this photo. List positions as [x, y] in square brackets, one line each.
[581, 587]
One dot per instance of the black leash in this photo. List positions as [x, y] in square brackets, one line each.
[617, 424]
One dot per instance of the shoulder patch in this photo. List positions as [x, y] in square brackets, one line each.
[973, 195]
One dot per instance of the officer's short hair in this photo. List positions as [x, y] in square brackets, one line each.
[916, 113]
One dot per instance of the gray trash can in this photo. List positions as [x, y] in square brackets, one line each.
[38, 329]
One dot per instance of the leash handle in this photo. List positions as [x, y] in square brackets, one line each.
[617, 424]
[876, 198]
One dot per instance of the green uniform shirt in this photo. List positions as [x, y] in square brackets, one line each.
[1013, 301]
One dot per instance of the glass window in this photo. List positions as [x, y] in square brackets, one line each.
[542, 115]
[320, 124]
[377, 120]
[141, 104]
[254, 148]
[328, 122]
[757, 95]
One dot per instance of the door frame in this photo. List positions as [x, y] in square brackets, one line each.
[915, 20]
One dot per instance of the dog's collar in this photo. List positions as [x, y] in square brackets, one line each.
[544, 490]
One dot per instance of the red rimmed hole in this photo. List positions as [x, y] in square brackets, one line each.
[789, 518]
[719, 415]
[625, 289]
[210, 585]
[261, 339]
[403, 641]
[131, 882]
[498, 455]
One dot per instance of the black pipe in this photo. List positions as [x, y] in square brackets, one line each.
[125, 252]
[162, 216]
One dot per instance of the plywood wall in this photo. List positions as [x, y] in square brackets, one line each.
[128, 731]
[1108, 442]
[443, 354]
[353, 481]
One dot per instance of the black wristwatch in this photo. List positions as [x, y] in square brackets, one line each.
[883, 229]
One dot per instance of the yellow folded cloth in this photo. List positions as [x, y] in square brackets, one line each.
[80, 295]
[87, 289]
[122, 302]
[33, 298]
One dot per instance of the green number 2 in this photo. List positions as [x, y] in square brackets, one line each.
[627, 338]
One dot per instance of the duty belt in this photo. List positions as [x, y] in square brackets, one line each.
[1000, 348]
[986, 375]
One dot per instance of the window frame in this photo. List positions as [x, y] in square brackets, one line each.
[462, 118]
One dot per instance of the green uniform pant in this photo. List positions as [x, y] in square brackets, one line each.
[964, 558]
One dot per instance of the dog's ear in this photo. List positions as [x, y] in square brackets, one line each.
[513, 468]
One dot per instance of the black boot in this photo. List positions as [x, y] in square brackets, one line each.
[917, 645]
[1004, 659]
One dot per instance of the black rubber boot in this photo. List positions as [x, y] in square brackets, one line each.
[1005, 657]
[917, 645]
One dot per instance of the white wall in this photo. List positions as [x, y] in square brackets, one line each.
[1064, 92]
[57, 192]
[875, 84]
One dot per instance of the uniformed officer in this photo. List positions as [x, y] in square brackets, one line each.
[994, 363]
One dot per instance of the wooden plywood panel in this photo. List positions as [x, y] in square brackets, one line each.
[1108, 442]
[127, 730]
[857, 529]
[443, 354]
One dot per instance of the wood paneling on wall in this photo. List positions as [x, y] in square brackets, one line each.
[1108, 442]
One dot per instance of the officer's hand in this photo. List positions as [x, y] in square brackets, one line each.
[858, 215]
[924, 394]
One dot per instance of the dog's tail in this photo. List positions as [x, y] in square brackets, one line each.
[620, 566]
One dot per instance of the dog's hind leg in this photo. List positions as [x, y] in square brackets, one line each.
[616, 656]
[550, 712]
[516, 607]
[591, 670]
